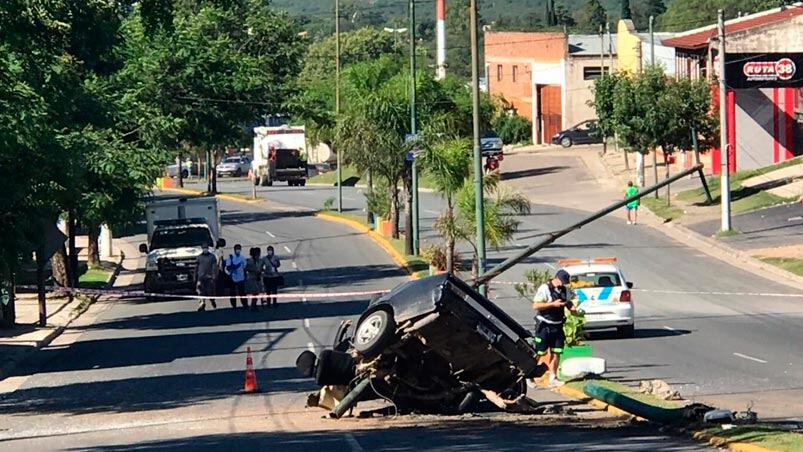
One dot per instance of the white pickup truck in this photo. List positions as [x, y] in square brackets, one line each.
[178, 228]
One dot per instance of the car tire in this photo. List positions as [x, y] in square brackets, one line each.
[374, 332]
[238, 172]
[185, 174]
[303, 182]
[269, 183]
[566, 142]
[627, 331]
[334, 368]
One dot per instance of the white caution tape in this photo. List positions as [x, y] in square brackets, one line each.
[688, 292]
[141, 293]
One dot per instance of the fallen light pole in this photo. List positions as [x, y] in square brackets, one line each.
[553, 236]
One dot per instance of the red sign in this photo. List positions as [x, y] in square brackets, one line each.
[783, 69]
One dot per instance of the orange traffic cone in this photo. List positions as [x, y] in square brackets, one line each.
[250, 375]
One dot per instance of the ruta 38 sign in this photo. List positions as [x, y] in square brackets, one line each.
[764, 70]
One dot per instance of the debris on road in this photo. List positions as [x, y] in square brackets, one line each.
[660, 389]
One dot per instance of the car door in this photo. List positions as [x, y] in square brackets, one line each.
[582, 134]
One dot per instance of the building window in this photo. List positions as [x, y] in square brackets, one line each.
[592, 72]
[498, 72]
[515, 72]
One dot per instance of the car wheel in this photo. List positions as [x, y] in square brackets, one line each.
[238, 172]
[626, 331]
[303, 182]
[517, 389]
[185, 174]
[334, 368]
[566, 142]
[374, 332]
[269, 183]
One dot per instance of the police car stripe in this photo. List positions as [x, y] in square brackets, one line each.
[606, 293]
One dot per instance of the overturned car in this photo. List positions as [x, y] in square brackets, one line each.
[431, 345]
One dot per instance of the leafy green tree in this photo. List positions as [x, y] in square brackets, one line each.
[563, 17]
[643, 10]
[458, 52]
[526, 22]
[626, 12]
[638, 117]
[513, 129]
[591, 17]
[604, 89]
[502, 205]
[447, 162]
[686, 14]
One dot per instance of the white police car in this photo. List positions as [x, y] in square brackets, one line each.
[602, 293]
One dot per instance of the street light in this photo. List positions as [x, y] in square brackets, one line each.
[396, 32]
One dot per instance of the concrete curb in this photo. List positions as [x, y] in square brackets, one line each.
[718, 441]
[7, 368]
[712, 247]
[223, 196]
[578, 395]
[377, 238]
[320, 184]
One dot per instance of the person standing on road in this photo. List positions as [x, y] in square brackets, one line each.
[235, 268]
[271, 278]
[632, 207]
[550, 301]
[253, 276]
[205, 274]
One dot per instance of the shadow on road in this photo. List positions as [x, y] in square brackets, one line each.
[224, 315]
[510, 175]
[446, 435]
[236, 217]
[145, 393]
[340, 277]
[643, 333]
[148, 350]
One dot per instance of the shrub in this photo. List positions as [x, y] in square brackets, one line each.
[513, 129]
[378, 202]
[327, 204]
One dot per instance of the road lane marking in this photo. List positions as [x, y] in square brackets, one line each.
[795, 219]
[306, 323]
[270, 234]
[750, 358]
[287, 248]
[669, 328]
[353, 444]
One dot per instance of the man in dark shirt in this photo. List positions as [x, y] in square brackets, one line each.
[205, 273]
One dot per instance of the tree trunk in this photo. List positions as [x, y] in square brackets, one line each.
[180, 171]
[640, 169]
[73, 252]
[213, 171]
[93, 248]
[8, 312]
[394, 210]
[666, 168]
[61, 271]
[408, 208]
[40, 286]
[655, 168]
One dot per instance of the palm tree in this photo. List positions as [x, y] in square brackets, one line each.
[447, 163]
[502, 205]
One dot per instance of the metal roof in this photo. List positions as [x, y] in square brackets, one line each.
[697, 38]
[580, 45]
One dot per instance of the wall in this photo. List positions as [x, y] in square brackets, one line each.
[628, 44]
[579, 91]
[537, 58]
[781, 37]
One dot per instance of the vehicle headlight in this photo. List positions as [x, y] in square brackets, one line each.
[151, 262]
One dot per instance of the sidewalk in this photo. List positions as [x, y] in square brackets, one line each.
[17, 343]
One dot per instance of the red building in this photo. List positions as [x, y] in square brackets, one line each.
[764, 120]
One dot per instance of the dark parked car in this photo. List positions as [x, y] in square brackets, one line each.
[432, 345]
[491, 144]
[587, 132]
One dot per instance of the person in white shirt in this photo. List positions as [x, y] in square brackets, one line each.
[234, 266]
[550, 302]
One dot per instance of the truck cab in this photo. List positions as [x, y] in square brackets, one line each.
[175, 239]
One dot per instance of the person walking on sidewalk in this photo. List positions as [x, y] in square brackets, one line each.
[205, 274]
[632, 207]
[550, 301]
[253, 276]
[271, 278]
[234, 266]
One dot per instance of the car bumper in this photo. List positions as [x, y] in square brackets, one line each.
[604, 317]
[555, 140]
[169, 283]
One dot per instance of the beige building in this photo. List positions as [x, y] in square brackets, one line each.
[588, 55]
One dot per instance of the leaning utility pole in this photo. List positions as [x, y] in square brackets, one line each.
[337, 106]
[723, 128]
[478, 193]
[415, 216]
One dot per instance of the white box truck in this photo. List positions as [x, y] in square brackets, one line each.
[178, 228]
[280, 154]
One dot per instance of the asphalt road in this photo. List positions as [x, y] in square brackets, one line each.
[725, 350]
[136, 375]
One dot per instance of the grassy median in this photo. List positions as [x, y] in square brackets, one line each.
[766, 436]
[787, 263]
[744, 199]
[658, 206]
[94, 278]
